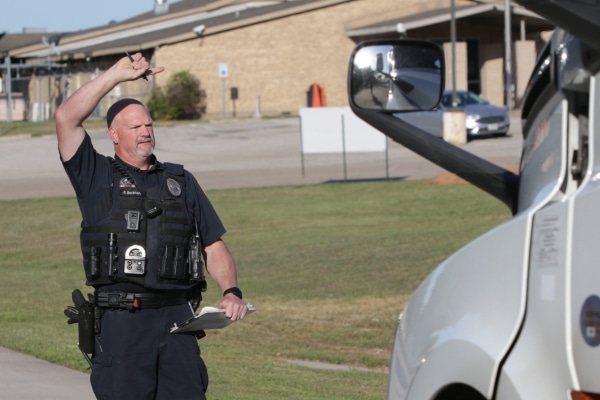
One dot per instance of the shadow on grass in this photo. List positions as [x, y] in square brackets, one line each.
[364, 180]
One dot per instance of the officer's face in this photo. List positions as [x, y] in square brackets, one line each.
[132, 133]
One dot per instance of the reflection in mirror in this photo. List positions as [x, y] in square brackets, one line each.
[399, 76]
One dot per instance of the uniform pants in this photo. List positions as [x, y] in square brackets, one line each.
[137, 358]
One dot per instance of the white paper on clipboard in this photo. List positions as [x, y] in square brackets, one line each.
[207, 318]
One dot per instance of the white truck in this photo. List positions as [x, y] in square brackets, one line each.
[515, 314]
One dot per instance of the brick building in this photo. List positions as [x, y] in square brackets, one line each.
[271, 52]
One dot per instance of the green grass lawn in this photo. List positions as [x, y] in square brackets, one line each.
[328, 268]
[43, 128]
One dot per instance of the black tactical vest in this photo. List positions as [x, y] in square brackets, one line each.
[148, 237]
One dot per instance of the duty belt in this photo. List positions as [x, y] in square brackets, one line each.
[136, 301]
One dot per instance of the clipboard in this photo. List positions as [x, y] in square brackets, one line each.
[207, 318]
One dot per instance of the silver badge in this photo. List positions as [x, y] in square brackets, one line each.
[174, 187]
[126, 183]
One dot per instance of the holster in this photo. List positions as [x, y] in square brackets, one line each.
[195, 295]
[86, 328]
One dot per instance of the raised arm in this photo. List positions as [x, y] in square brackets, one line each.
[77, 108]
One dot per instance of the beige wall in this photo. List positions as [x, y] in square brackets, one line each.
[277, 61]
[460, 49]
[492, 70]
[492, 73]
[525, 56]
[17, 110]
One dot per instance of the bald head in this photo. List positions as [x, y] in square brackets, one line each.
[118, 107]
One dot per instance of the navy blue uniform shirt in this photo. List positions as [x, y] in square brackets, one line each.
[91, 174]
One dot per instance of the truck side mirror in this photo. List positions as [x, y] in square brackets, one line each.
[409, 78]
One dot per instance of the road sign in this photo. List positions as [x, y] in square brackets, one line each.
[223, 71]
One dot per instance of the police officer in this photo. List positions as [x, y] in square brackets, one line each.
[147, 228]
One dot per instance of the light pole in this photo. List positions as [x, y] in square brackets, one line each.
[51, 43]
[453, 51]
[507, 55]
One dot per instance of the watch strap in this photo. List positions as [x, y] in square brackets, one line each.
[233, 290]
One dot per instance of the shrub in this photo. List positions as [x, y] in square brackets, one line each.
[182, 98]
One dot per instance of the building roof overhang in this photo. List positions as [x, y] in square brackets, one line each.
[184, 21]
[401, 24]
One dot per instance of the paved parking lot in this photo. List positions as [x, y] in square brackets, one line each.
[231, 154]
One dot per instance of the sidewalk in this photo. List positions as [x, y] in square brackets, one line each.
[23, 377]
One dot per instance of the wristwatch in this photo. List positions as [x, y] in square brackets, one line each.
[235, 291]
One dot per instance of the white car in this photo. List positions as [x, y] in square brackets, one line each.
[482, 119]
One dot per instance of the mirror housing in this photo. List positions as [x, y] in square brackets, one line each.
[396, 75]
